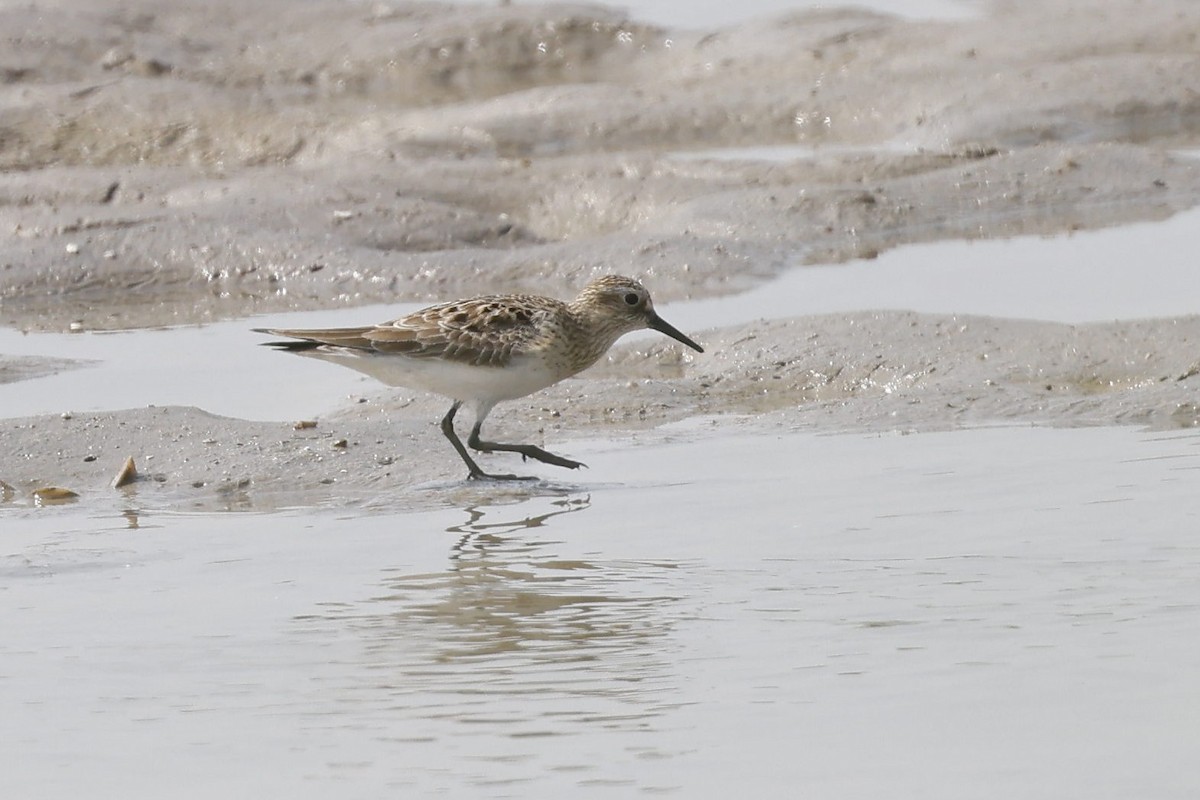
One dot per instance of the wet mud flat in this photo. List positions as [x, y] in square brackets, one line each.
[880, 371]
[167, 164]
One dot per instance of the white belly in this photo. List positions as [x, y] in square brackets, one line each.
[479, 386]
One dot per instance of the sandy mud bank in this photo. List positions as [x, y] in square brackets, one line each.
[871, 371]
[167, 163]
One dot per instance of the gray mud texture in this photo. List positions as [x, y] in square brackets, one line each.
[168, 162]
[165, 163]
[883, 372]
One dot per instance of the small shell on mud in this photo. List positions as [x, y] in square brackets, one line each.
[126, 475]
[6, 492]
[304, 425]
[53, 495]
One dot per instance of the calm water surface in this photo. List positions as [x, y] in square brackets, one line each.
[998, 613]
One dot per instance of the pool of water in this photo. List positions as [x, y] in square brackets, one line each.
[1093, 276]
[995, 612]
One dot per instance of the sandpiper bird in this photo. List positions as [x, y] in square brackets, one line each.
[482, 351]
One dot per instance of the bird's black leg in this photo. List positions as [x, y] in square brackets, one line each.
[476, 472]
[526, 450]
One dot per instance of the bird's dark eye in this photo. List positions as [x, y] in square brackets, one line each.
[632, 299]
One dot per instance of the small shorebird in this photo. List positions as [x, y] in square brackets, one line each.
[485, 350]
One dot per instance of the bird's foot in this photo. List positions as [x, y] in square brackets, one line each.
[527, 452]
[550, 458]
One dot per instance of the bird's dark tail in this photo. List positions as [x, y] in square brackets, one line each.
[308, 339]
[291, 345]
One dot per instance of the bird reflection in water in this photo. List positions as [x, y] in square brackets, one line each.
[511, 618]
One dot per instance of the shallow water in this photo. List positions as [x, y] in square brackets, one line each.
[1093, 276]
[994, 612]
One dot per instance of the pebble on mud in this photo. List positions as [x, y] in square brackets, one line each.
[53, 495]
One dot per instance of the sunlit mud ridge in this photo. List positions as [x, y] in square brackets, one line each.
[167, 163]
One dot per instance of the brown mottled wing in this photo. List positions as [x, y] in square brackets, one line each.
[481, 332]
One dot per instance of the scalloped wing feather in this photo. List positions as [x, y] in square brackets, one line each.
[480, 332]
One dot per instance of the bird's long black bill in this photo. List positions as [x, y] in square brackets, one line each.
[659, 324]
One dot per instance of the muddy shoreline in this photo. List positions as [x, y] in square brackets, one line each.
[891, 371]
[166, 165]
